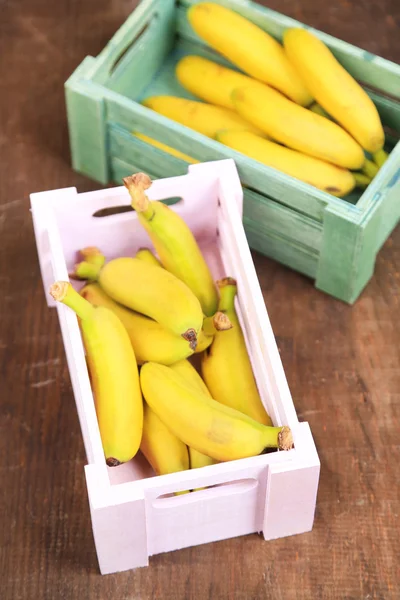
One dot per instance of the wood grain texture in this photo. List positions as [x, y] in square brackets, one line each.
[342, 363]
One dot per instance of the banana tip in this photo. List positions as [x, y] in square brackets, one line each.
[285, 439]
[58, 290]
[191, 336]
[112, 462]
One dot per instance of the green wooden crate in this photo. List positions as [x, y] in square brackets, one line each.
[334, 241]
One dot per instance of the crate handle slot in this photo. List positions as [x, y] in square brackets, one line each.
[239, 486]
[135, 39]
[116, 210]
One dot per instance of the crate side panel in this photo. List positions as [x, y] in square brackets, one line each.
[390, 212]
[266, 212]
[282, 250]
[347, 257]
[363, 65]
[286, 190]
[260, 210]
[87, 129]
[133, 72]
[209, 515]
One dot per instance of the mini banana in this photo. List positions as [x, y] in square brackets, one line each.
[202, 117]
[334, 88]
[113, 373]
[209, 427]
[164, 451]
[147, 289]
[297, 127]
[150, 340]
[162, 146]
[226, 366]
[323, 175]
[189, 373]
[210, 81]
[248, 47]
[147, 255]
[174, 243]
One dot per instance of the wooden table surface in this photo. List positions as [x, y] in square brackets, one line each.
[342, 363]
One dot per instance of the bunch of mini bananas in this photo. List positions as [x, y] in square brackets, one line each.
[292, 106]
[143, 319]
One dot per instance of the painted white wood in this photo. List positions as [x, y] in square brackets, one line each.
[134, 513]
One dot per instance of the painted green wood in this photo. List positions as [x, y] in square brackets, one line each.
[264, 213]
[129, 38]
[87, 125]
[287, 190]
[373, 70]
[331, 239]
[282, 250]
[268, 215]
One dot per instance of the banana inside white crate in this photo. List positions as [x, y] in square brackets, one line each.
[134, 513]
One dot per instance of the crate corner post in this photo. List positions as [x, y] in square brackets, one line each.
[87, 126]
[348, 254]
[118, 525]
[292, 489]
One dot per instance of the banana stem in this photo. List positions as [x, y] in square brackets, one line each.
[87, 270]
[227, 292]
[362, 181]
[370, 168]
[92, 255]
[136, 186]
[278, 437]
[218, 322]
[285, 438]
[62, 291]
[380, 157]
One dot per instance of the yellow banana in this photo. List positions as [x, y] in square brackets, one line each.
[248, 47]
[325, 176]
[162, 146]
[204, 424]
[218, 322]
[226, 366]
[152, 291]
[174, 243]
[113, 373]
[297, 127]
[189, 373]
[165, 452]
[148, 256]
[150, 340]
[210, 81]
[334, 88]
[204, 118]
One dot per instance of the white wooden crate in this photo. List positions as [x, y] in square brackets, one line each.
[133, 512]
